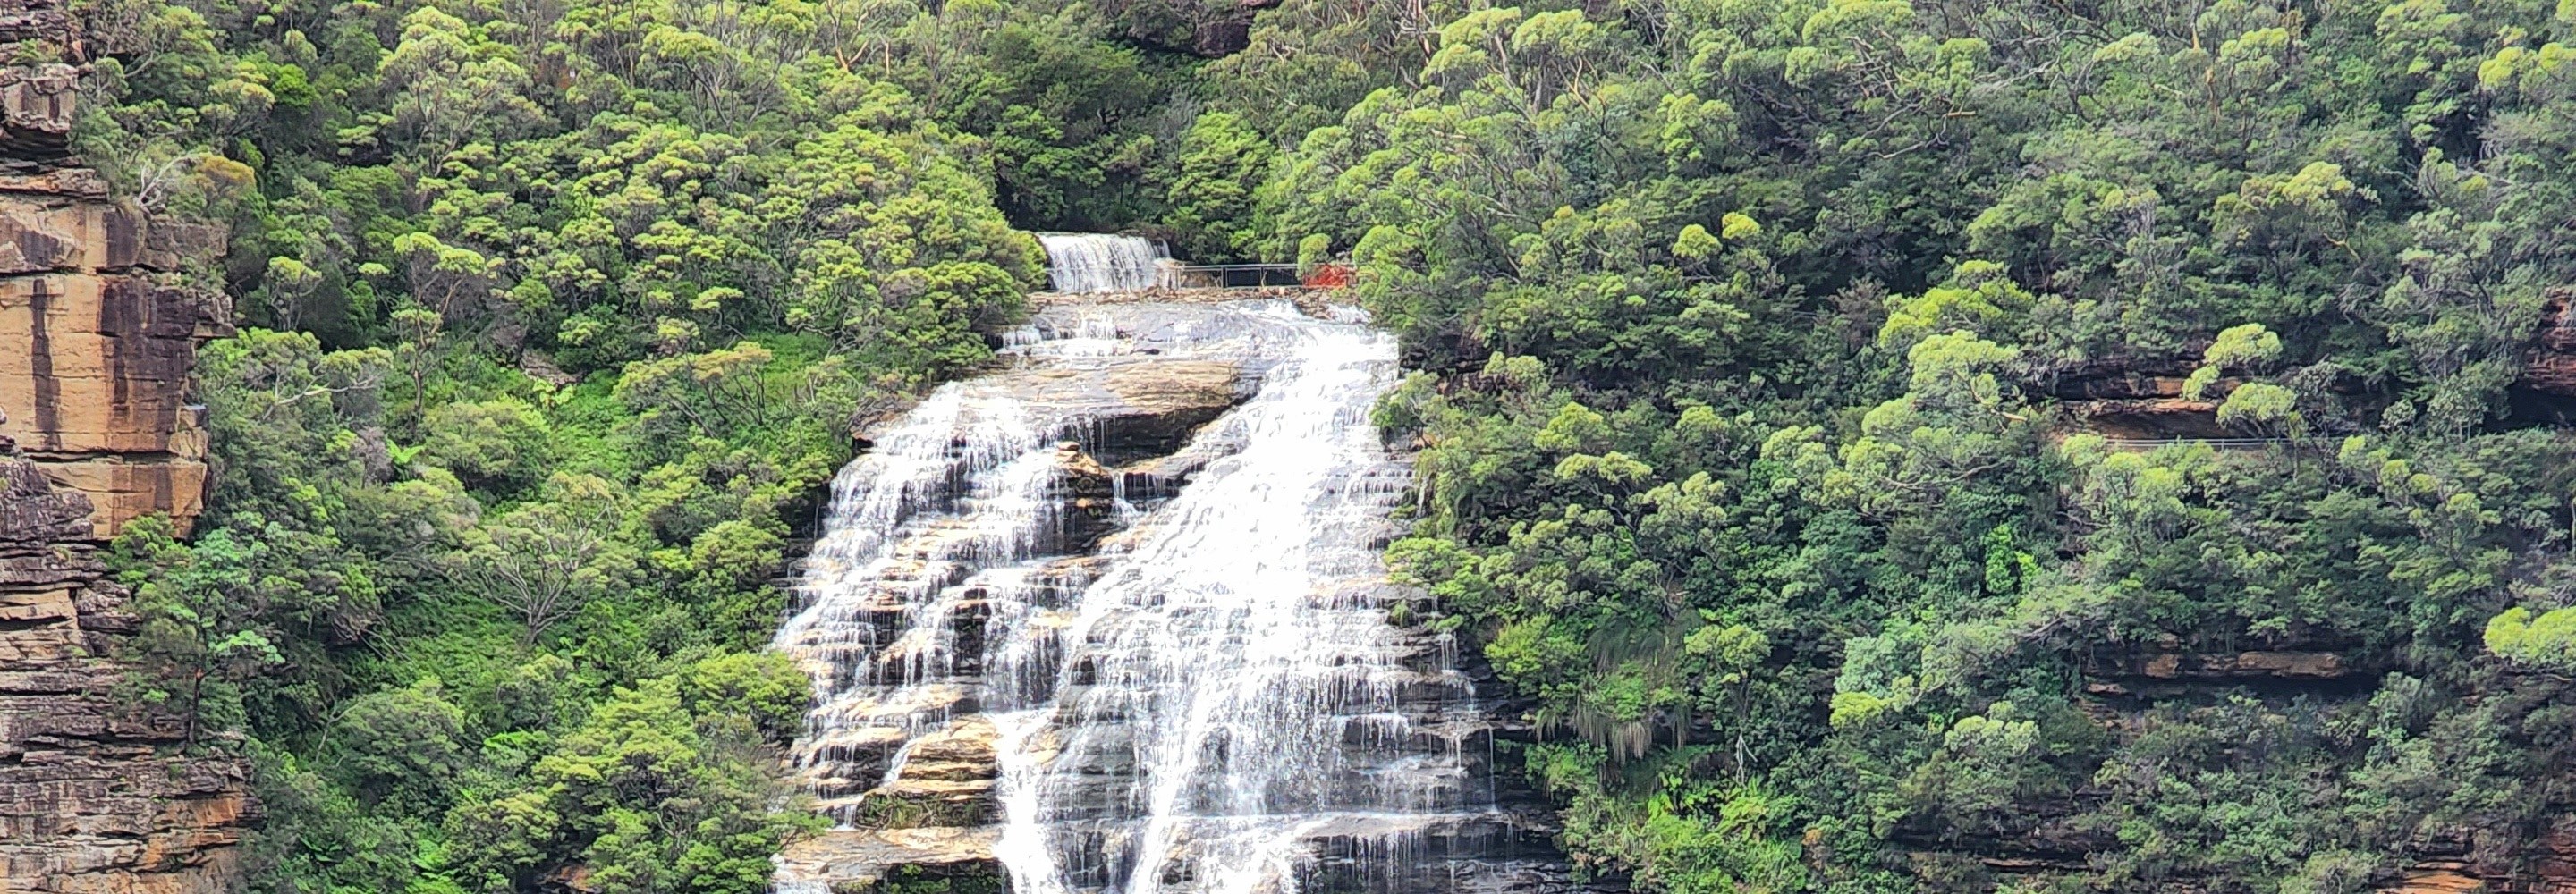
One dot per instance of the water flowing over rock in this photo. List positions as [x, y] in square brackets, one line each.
[1113, 620]
[1097, 262]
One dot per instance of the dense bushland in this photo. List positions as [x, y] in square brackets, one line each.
[555, 318]
[1748, 446]
[1744, 328]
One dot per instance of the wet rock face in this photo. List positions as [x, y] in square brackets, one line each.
[1163, 403]
[1112, 618]
[1131, 407]
[947, 860]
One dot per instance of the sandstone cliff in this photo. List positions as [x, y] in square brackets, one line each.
[96, 340]
[2551, 366]
[96, 335]
[92, 796]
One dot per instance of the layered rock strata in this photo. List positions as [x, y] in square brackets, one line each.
[969, 668]
[2551, 366]
[97, 336]
[96, 342]
[94, 798]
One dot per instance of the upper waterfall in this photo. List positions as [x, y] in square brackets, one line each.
[1100, 262]
[1113, 620]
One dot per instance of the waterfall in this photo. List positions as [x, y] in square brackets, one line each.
[1183, 667]
[1097, 262]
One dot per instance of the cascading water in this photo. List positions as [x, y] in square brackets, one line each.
[1098, 262]
[1184, 667]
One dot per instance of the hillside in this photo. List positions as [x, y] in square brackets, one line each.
[1880, 445]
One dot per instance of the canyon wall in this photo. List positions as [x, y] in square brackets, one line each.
[94, 796]
[97, 336]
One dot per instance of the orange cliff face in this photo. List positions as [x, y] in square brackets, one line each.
[96, 340]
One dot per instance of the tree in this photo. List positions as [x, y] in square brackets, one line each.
[545, 561]
[2547, 641]
[201, 634]
[663, 787]
[499, 441]
[451, 84]
[2237, 346]
[1222, 161]
[421, 329]
[2264, 407]
[400, 742]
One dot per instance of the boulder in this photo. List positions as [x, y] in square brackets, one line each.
[36, 101]
[32, 512]
[1127, 407]
[1161, 404]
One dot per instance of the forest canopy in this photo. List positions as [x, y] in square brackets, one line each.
[1891, 444]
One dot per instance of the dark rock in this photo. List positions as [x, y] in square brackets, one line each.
[2550, 368]
[1208, 28]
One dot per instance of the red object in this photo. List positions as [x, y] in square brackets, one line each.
[1330, 276]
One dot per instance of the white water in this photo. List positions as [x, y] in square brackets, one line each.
[1220, 656]
[1097, 262]
[1209, 704]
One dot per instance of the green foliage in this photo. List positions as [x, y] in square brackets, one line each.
[2547, 641]
[400, 742]
[1222, 161]
[556, 318]
[1744, 322]
[200, 607]
[1759, 350]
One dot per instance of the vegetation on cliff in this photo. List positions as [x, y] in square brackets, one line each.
[1763, 344]
[1747, 328]
[556, 316]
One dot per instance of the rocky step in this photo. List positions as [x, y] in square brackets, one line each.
[1364, 853]
[916, 803]
[841, 860]
[913, 707]
[830, 762]
[1097, 686]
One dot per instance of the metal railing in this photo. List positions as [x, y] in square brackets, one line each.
[1234, 276]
